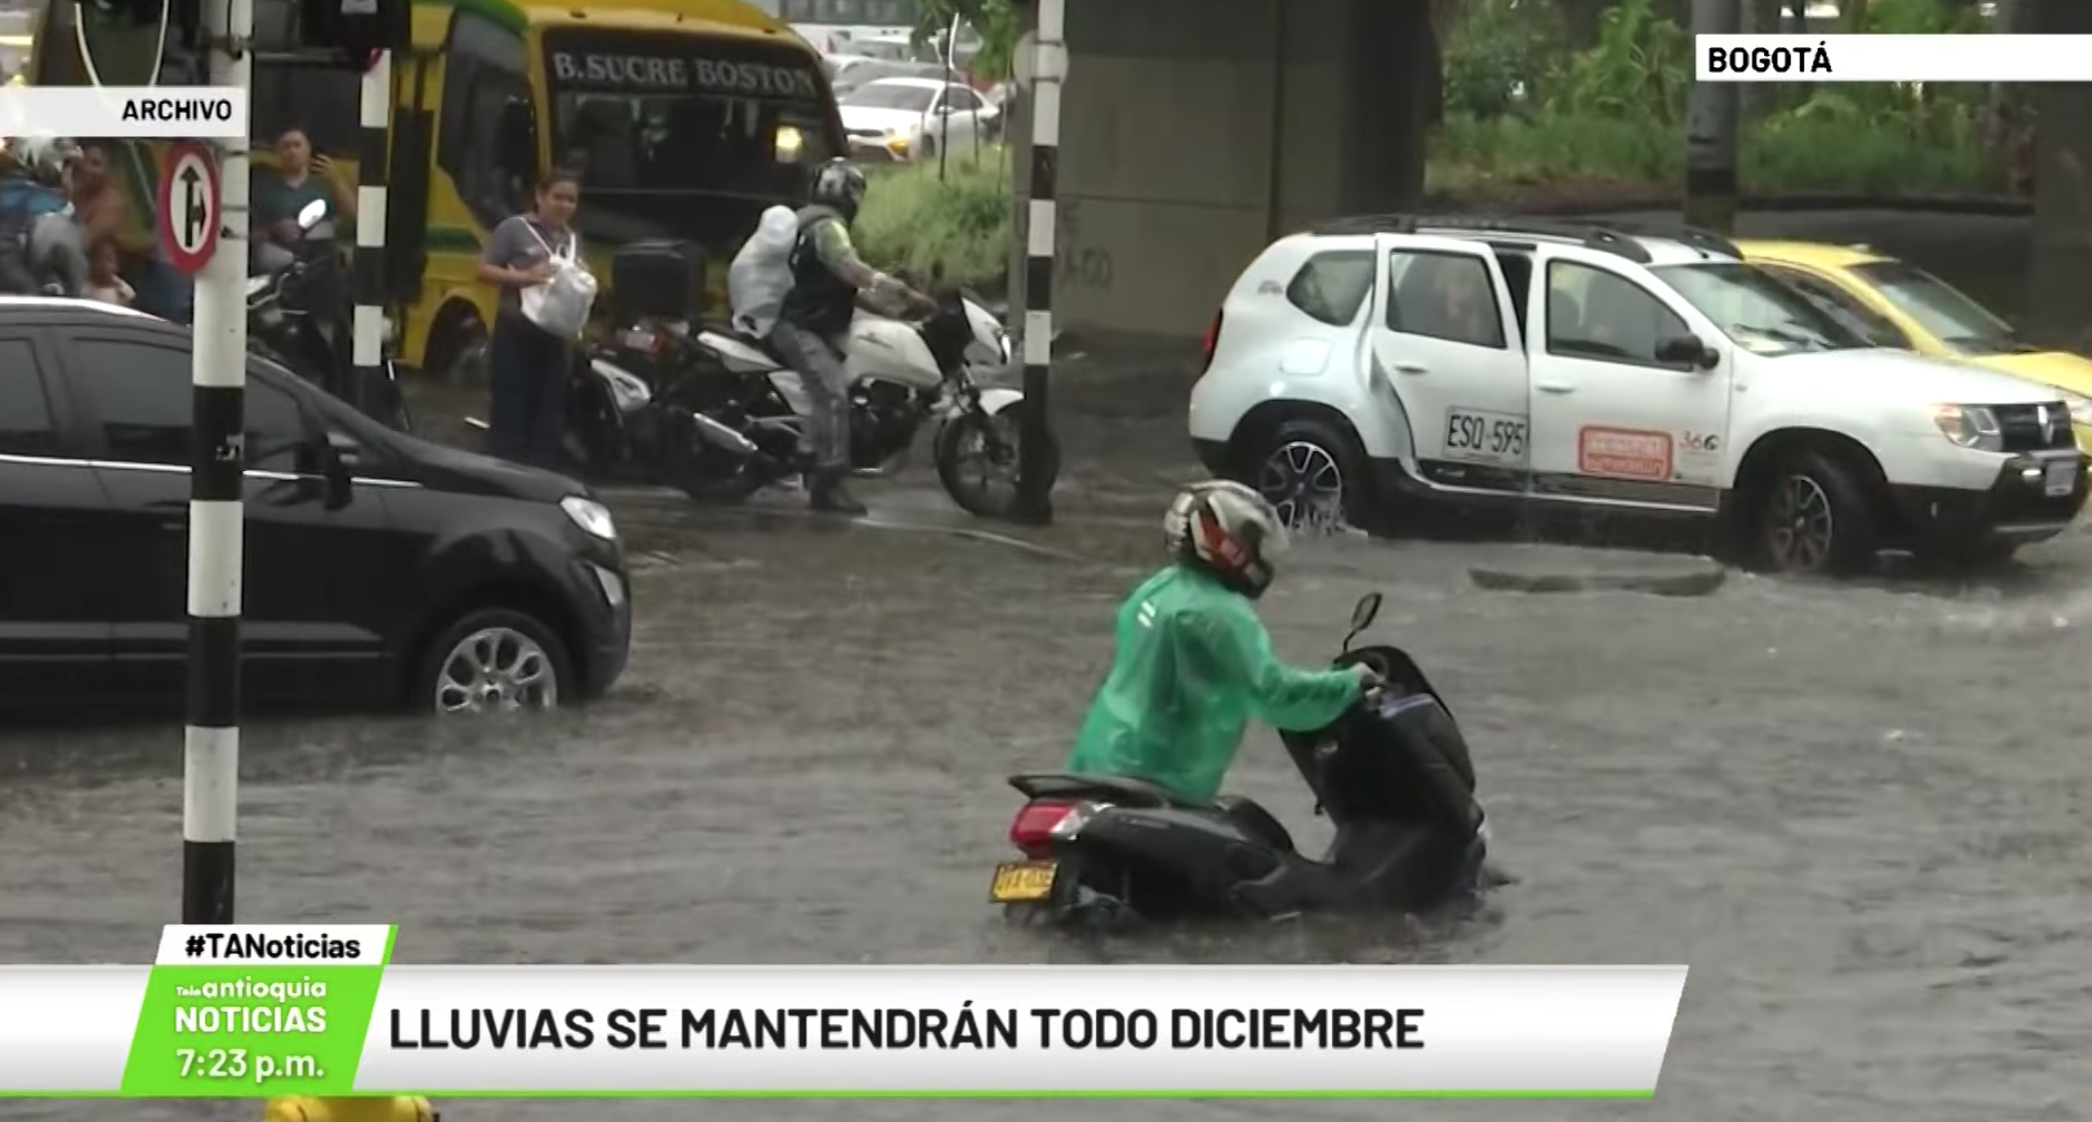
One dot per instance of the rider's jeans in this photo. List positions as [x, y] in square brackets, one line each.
[819, 363]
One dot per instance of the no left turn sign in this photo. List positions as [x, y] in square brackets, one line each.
[190, 205]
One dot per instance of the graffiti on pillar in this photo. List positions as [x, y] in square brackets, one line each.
[1080, 263]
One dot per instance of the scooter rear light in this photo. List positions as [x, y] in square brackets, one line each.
[1039, 824]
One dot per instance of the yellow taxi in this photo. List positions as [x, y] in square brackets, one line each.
[1897, 304]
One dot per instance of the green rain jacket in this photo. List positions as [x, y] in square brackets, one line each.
[1193, 664]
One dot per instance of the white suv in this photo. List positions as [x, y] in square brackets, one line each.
[1380, 362]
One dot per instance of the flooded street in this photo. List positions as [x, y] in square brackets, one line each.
[1858, 812]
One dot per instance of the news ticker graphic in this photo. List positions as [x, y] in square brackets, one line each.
[1892, 58]
[271, 1011]
[124, 112]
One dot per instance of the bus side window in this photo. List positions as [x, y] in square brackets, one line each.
[324, 101]
[483, 70]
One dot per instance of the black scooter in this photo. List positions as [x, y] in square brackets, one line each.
[1393, 775]
[298, 315]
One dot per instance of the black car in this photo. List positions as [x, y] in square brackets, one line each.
[379, 567]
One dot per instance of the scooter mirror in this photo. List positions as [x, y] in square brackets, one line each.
[1362, 616]
[313, 214]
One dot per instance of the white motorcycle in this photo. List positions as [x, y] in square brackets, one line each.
[749, 410]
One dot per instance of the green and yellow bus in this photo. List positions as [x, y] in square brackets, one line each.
[686, 119]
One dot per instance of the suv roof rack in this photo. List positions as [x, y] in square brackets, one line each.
[1610, 235]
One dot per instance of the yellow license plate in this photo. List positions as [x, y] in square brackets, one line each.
[1018, 881]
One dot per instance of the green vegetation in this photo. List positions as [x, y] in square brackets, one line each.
[954, 226]
[1530, 117]
[1533, 118]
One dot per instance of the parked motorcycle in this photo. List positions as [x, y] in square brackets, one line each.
[298, 315]
[752, 412]
[1393, 775]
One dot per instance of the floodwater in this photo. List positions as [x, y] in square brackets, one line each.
[1858, 812]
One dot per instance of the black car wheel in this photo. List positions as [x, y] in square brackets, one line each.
[495, 660]
[1313, 473]
[1815, 518]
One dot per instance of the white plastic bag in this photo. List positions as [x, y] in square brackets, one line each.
[561, 304]
[761, 275]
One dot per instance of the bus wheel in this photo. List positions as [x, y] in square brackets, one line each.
[463, 361]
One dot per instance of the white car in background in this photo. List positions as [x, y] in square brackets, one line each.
[914, 118]
[1376, 366]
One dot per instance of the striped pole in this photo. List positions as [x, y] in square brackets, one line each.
[1048, 59]
[367, 268]
[211, 742]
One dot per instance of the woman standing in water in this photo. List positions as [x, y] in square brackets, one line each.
[527, 365]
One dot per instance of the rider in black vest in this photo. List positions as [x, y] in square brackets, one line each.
[813, 325]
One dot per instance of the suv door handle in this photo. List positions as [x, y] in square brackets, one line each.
[1411, 368]
[1554, 387]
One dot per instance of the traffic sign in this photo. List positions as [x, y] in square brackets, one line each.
[191, 205]
[1032, 61]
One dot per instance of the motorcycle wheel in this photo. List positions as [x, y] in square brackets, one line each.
[965, 441]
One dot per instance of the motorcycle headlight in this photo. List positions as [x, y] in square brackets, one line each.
[256, 286]
[1003, 338]
[2080, 406]
[389, 331]
[593, 517]
[1971, 426]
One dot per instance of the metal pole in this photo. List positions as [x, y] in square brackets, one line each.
[1710, 142]
[211, 742]
[367, 269]
[1034, 490]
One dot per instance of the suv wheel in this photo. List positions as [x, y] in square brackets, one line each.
[1313, 473]
[495, 660]
[1814, 517]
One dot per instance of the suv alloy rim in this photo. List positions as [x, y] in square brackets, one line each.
[496, 669]
[1304, 482]
[1798, 524]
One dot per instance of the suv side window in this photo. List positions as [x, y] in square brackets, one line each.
[26, 425]
[1593, 313]
[139, 394]
[1842, 305]
[1446, 296]
[1332, 285]
[961, 99]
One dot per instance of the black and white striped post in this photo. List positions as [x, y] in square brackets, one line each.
[367, 268]
[1042, 66]
[217, 518]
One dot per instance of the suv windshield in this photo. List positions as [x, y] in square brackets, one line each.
[654, 122]
[1758, 310]
[1940, 309]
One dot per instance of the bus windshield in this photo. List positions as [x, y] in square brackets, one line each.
[649, 120]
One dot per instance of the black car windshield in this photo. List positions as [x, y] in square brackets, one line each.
[1940, 308]
[651, 120]
[891, 95]
[1758, 310]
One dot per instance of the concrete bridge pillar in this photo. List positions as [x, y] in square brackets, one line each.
[1196, 131]
[2060, 287]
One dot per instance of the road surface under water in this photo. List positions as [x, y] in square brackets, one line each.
[1857, 812]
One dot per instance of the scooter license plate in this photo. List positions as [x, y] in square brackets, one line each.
[1018, 882]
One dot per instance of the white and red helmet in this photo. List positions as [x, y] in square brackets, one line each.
[1229, 530]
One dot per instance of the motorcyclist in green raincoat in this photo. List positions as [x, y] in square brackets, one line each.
[1193, 663]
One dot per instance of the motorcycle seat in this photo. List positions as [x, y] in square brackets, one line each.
[1117, 788]
[740, 353]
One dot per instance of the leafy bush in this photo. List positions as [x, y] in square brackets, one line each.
[1615, 113]
[956, 228]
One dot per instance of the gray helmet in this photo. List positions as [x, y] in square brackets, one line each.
[839, 184]
[44, 157]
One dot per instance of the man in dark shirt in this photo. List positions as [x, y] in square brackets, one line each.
[302, 178]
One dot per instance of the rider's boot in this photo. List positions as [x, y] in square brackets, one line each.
[826, 493]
